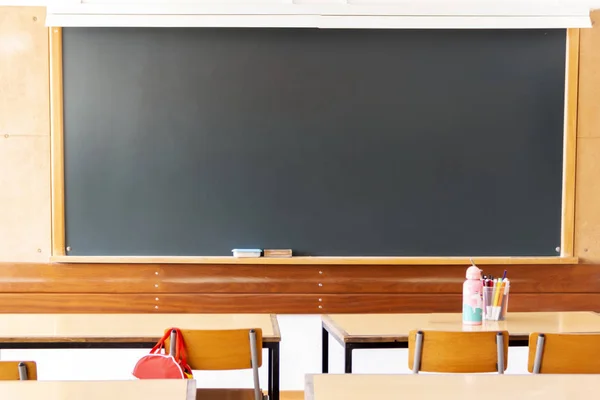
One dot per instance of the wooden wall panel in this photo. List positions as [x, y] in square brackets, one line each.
[49, 278]
[24, 198]
[278, 303]
[449, 279]
[24, 88]
[587, 196]
[589, 80]
[30, 287]
[283, 279]
[24, 135]
[36, 286]
[587, 243]
[423, 303]
[167, 303]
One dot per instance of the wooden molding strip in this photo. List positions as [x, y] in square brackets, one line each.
[316, 260]
[334, 329]
[21, 278]
[276, 331]
[227, 303]
[568, 191]
[570, 144]
[57, 142]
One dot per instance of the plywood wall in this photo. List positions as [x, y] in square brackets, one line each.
[25, 152]
[587, 196]
[24, 135]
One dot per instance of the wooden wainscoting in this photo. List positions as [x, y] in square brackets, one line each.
[189, 288]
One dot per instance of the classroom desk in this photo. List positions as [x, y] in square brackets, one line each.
[388, 331]
[449, 387]
[172, 389]
[67, 331]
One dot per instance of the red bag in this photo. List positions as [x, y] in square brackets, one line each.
[158, 365]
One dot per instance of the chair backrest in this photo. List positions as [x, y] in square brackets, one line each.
[220, 349]
[461, 352]
[18, 370]
[223, 350]
[564, 353]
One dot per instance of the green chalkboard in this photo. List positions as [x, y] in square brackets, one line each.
[195, 141]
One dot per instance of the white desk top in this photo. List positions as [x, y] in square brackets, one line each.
[59, 328]
[450, 387]
[386, 327]
[172, 389]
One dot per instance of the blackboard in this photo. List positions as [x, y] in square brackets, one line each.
[195, 141]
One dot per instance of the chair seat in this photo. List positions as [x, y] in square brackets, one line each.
[225, 394]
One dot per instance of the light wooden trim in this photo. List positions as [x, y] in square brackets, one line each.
[100, 339]
[567, 246]
[336, 331]
[568, 189]
[336, 386]
[130, 389]
[316, 260]
[309, 387]
[57, 142]
[275, 324]
[140, 327]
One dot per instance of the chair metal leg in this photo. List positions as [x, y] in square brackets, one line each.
[418, 351]
[22, 371]
[500, 350]
[539, 351]
[254, 357]
[173, 344]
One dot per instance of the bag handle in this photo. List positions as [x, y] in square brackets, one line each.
[161, 343]
[180, 355]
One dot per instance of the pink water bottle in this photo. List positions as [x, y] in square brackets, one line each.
[473, 297]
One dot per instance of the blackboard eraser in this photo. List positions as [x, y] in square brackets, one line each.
[246, 253]
[278, 252]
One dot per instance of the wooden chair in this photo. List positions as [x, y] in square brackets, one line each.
[564, 353]
[18, 370]
[220, 350]
[461, 352]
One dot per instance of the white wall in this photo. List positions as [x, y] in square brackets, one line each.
[300, 354]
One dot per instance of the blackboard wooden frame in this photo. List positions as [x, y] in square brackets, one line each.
[568, 187]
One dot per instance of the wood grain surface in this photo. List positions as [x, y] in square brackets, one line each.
[566, 353]
[457, 352]
[24, 102]
[35, 285]
[375, 328]
[126, 328]
[283, 279]
[448, 387]
[139, 288]
[24, 135]
[587, 189]
[147, 389]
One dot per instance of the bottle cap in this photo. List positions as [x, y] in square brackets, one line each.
[473, 272]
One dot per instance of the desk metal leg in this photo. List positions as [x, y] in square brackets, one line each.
[348, 347]
[325, 351]
[273, 371]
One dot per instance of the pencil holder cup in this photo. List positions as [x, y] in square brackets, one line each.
[495, 303]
